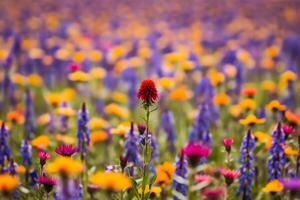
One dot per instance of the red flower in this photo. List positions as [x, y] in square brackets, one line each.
[73, 67]
[227, 142]
[43, 156]
[288, 129]
[194, 152]
[47, 182]
[249, 92]
[213, 193]
[66, 150]
[147, 93]
[230, 175]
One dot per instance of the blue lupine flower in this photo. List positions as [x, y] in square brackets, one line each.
[207, 139]
[12, 167]
[261, 113]
[26, 153]
[64, 128]
[179, 182]
[29, 125]
[131, 146]
[167, 124]
[246, 169]
[83, 132]
[4, 146]
[276, 160]
[201, 125]
[291, 97]
[205, 90]
[154, 148]
[33, 176]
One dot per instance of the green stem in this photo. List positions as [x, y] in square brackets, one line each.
[145, 152]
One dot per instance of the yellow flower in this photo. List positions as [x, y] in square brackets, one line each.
[164, 173]
[35, 80]
[3, 54]
[221, 99]
[98, 136]
[162, 178]
[235, 110]
[79, 76]
[251, 120]
[268, 86]
[54, 99]
[8, 183]
[65, 111]
[247, 104]
[289, 151]
[44, 119]
[119, 97]
[167, 167]
[62, 54]
[216, 78]
[114, 109]
[120, 130]
[273, 186]
[19, 79]
[263, 138]
[181, 93]
[97, 73]
[78, 56]
[95, 56]
[154, 190]
[166, 82]
[275, 106]
[64, 165]
[21, 169]
[97, 123]
[272, 51]
[267, 63]
[66, 139]
[174, 57]
[68, 94]
[187, 65]
[40, 142]
[111, 181]
[288, 76]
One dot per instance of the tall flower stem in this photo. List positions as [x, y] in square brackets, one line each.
[145, 154]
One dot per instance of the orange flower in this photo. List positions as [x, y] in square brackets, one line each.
[221, 99]
[98, 136]
[276, 106]
[181, 93]
[40, 142]
[273, 186]
[249, 92]
[292, 118]
[15, 117]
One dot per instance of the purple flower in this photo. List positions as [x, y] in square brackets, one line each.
[167, 124]
[277, 158]
[47, 182]
[195, 152]
[26, 153]
[180, 177]
[246, 169]
[83, 133]
[29, 125]
[291, 184]
[131, 146]
[4, 146]
[66, 150]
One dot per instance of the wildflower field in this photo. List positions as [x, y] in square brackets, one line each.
[151, 99]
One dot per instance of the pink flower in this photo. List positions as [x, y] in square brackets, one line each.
[43, 156]
[203, 178]
[66, 150]
[213, 193]
[73, 67]
[194, 152]
[47, 182]
[230, 175]
[227, 143]
[288, 129]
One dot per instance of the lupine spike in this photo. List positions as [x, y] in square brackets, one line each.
[179, 185]
[83, 133]
[167, 124]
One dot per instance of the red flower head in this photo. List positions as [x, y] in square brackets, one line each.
[230, 175]
[73, 67]
[194, 152]
[249, 92]
[123, 161]
[43, 156]
[47, 182]
[288, 130]
[66, 150]
[147, 93]
[141, 129]
[227, 142]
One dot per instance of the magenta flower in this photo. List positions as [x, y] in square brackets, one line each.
[47, 182]
[227, 143]
[43, 156]
[194, 153]
[213, 193]
[66, 150]
[230, 175]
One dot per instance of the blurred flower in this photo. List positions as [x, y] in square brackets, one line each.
[179, 182]
[121, 130]
[263, 138]
[15, 117]
[230, 175]
[26, 153]
[54, 99]
[268, 86]
[147, 93]
[292, 118]
[20, 169]
[289, 151]
[194, 153]
[40, 142]
[111, 181]
[203, 179]
[291, 184]
[65, 166]
[47, 182]
[79, 76]
[213, 193]
[167, 124]
[164, 172]
[131, 147]
[116, 110]
[8, 183]
[247, 104]
[249, 92]
[273, 186]
[235, 110]
[227, 143]
[44, 119]
[275, 106]
[251, 120]
[43, 156]
[166, 83]
[35, 80]
[83, 133]
[97, 123]
[4, 146]
[154, 191]
[288, 130]
[246, 169]
[119, 97]
[97, 73]
[73, 67]
[66, 150]
[216, 78]
[65, 111]
[66, 139]
[29, 124]
[221, 99]
[181, 93]
[98, 136]
[277, 158]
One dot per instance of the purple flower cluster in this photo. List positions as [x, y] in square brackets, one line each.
[179, 185]
[167, 124]
[83, 132]
[4, 146]
[131, 146]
